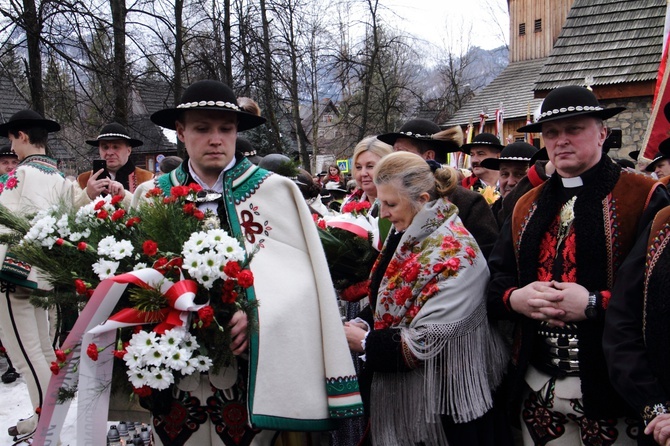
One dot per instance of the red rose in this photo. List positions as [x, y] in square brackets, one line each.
[471, 252]
[55, 368]
[117, 199]
[132, 221]
[188, 208]
[80, 286]
[143, 391]
[150, 248]
[412, 311]
[198, 214]
[99, 205]
[118, 214]
[232, 269]
[245, 278]
[411, 272]
[82, 246]
[402, 295]
[453, 263]
[102, 214]
[92, 351]
[60, 355]
[439, 268]
[59, 242]
[206, 315]
[388, 319]
[119, 353]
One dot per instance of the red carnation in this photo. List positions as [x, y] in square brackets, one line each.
[55, 368]
[321, 224]
[362, 205]
[89, 293]
[188, 208]
[168, 200]
[158, 264]
[118, 214]
[150, 248]
[195, 187]
[119, 353]
[179, 191]
[99, 205]
[38, 410]
[59, 242]
[117, 199]
[143, 391]
[102, 214]
[206, 315]
[155, 192]
[348, 207]
[232, 269]
[198, 214]
[60, 355]
[92, 351]
[80, 286]
[245, 278]
[82, 246]
[132, 221]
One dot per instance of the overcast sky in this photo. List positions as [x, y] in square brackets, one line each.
[431, 20]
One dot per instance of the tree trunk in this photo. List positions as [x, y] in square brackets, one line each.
[268, 84]
[177, 59]
[119, 80]
[33, 28]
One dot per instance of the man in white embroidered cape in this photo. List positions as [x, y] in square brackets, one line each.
[300, 374]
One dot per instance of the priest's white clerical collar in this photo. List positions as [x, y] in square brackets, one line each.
[571, 183]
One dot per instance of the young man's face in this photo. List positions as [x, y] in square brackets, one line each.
[574, 144]
[116, 152]
[478, 154]
[209, 137]
[7, 164]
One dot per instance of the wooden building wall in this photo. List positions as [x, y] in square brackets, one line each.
[535, 45]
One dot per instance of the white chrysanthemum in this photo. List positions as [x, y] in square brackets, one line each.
[121, 250]
[191, 262]
[178, 360]
[63, 226]
[212, 264]
[154, 356]
[138, 377]
[231, 249]
[160, 378]
[74, 237]
[188, 369]
[106, 246]
[201, 363]
[190, 342]
[139, 266]
[133, 358]
[196, 243]
[105, 268]
[173, 337]
[144, 341]
[42, 229]
[86, 233]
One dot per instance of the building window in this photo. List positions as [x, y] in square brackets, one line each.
[538, 25]
[522, 29]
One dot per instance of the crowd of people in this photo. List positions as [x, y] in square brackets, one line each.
[538, 319]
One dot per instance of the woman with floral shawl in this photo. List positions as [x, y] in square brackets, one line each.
[430, 354]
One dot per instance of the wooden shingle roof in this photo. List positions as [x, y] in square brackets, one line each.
[614, 41]
[513, 88]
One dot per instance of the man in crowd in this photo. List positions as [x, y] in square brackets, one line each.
[660, 165]
[513, 166]
[8, 160]
[281, 370]
[35, 184]
[120, 176]
[483, 146]
[552, 272]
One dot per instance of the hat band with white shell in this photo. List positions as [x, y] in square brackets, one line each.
[209, 104]
[113, 135]
[571, 109]
[514, 158]
[416, 135]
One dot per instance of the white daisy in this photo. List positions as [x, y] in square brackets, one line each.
[106, 246]
[144, 341]
[105, 268]
[133, 358]
[138, 377]
[160, 378]
[178, 359]
[121, 250]
[201, 363]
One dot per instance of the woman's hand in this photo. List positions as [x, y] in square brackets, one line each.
[238, 332]
[355, 333]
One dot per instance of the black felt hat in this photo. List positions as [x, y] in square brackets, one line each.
[517, 152]
[634, 154]
[663, 154]
[207, 95]
[425, 130]
[25, 118]
[566, 102]
[114, 131]
[483, 139]
[7, 151]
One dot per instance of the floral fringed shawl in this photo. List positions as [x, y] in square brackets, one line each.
[433, 293]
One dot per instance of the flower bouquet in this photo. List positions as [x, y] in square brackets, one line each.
[349, 243]
[160, 339]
